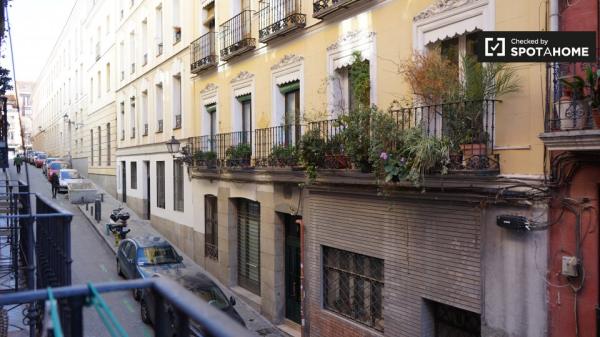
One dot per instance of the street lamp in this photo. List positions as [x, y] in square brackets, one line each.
[173, 145]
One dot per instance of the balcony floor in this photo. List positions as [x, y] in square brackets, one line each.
[578, 140]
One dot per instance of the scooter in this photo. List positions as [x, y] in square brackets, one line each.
[118, 224]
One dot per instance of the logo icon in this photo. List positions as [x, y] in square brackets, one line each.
[495, 46]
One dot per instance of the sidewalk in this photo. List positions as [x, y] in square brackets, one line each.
[140, 227]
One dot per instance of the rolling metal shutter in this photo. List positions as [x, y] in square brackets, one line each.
[431, 251]
[249, 245]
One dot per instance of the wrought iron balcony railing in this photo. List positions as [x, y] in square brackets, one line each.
[159, 126]
[322, 8]
[177, 122]
[279, 17]
[236, 35]
[468, 125]
[277, 146]
[204, 52]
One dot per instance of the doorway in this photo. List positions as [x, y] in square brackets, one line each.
[147, 190]
[293, 295]
[124, 181]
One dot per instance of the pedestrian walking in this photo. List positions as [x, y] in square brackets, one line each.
[55, 184]
[17, 162]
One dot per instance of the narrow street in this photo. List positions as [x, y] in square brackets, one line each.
[93, 261]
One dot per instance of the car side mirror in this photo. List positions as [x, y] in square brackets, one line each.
[232, 300]
[179, 258]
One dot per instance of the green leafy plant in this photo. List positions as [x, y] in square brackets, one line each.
[282, 155]
[5, 81]
[576, 84]
[239, 155]
[312, 149]
[425, 153]
[593, 84]
[210, 156]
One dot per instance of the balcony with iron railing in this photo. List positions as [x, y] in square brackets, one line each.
[279, 17]
[236, 35]
[572, 118]
[468, 127]
[204, 52]
[322, 8]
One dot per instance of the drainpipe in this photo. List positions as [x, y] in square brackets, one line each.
[300, 223]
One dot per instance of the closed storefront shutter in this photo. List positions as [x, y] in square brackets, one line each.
[249, 245]
[431, 253]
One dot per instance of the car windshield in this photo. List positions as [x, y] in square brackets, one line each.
[70, 175]
[213, 295]
[157, 255]
[41, 156]
[58, 166]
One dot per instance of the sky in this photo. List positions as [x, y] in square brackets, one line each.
[35, 26]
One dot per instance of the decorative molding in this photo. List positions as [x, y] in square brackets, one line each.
[441, 6]
[287, 60]
[351, 38]
[209, 87]
[243, 75]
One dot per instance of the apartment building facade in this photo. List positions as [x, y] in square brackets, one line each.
[405, 263]
[74, 96]
[154, 104]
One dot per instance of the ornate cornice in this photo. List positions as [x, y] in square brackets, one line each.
[351, 38]
[209, 87]
[287, 60]
[243, 75]
[440, 6]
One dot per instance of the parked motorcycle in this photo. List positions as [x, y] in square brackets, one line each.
[118, 224]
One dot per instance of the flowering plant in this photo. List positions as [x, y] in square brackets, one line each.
[394, 166]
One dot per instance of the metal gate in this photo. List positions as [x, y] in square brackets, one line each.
[249, 245]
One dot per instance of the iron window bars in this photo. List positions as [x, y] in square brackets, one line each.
[204, 52]
[322, 8]
[353, 286]
[279, 17]
[236, 35]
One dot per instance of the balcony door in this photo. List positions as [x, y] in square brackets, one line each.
[211, 111]
[246, 103]
[291, 94]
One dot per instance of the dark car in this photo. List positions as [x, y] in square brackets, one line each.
[145, 256]
[199, 284]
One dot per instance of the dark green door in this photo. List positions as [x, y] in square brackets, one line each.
[292, 269]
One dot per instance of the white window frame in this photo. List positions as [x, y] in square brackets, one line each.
[289, 69]
[339, 56]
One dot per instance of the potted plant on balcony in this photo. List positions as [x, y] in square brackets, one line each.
[205, 159]
[239, 155]
[593, 83]
[283, 156]
[571, 110]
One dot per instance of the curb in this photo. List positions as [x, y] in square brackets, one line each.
[98, 231]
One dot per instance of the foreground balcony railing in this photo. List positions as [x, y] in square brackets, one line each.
[279, 17]
[570, 121]
[177, 311]
[236, 35]
[322, 8]
[204, 52]
[468, 127]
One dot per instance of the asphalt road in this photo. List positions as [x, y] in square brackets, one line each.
[93, 262]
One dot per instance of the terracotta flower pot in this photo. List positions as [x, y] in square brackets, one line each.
[475, 149]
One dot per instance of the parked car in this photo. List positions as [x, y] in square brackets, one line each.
[55, 167]
[39, 159]
[46, 162]
[142, 257]
[199, 284]
[66, 177]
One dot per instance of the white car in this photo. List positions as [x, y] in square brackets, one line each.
[66, 177]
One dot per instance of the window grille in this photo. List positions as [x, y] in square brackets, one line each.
[249, 245]
[211, 245]
[353, 286]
